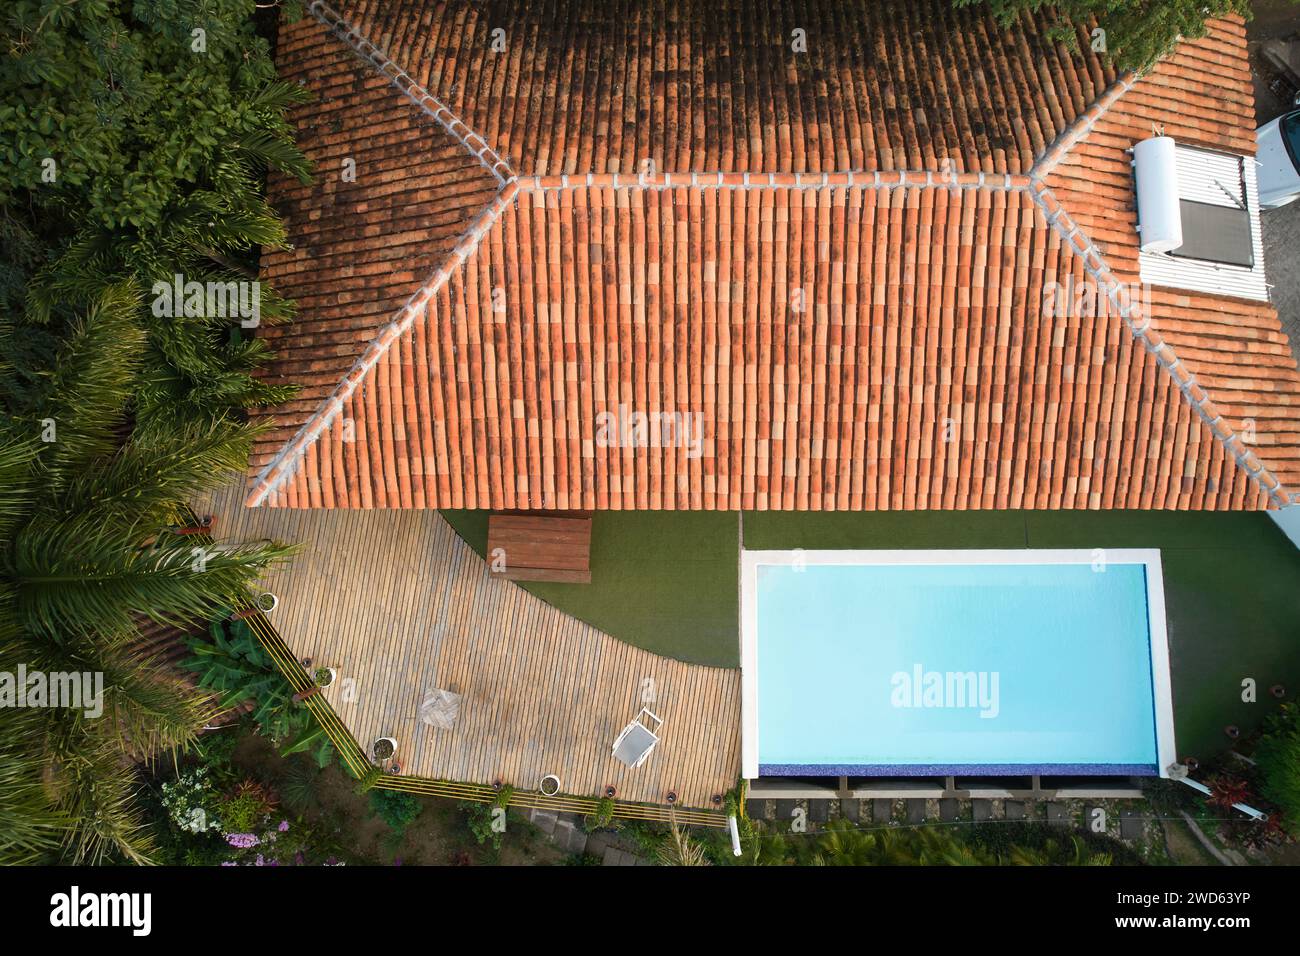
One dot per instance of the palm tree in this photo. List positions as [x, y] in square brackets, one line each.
[759, 848]
[679, 849]
[86, 502]
[842, 844]
[1073, 852]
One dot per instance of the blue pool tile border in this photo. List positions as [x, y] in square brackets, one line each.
[963, 770]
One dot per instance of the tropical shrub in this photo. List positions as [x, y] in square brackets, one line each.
[480, 817]
[1278, 759]
[396, 808]
[191, 801]
[246, 807]
[232, 662]
[299, 786]
[136, 135]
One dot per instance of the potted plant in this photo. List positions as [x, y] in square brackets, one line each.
[324, 676]
[266, 602]
[383, 749]
[550, 785]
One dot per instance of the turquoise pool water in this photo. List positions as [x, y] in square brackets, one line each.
[950, 668]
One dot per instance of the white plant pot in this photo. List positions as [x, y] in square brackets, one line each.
[374, 748]
[550, 785]
[267, 602]
[329, 681]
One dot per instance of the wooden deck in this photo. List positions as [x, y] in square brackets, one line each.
[399, 605]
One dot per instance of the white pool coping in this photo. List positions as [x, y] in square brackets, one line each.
[750, 561]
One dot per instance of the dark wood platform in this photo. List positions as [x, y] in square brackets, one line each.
[531, 547]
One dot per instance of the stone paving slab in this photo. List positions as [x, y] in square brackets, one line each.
[915, 811]
[1132, 825]
[616, 857]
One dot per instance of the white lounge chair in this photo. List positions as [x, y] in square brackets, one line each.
[637, 741]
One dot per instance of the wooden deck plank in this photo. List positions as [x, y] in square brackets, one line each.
[525, 547]
[399, 604]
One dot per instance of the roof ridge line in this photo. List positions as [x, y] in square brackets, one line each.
[1059, 219]
[474, 143]
[848, 178]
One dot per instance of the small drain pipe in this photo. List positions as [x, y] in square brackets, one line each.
[1181, 776]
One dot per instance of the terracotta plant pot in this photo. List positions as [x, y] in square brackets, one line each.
[203, 526]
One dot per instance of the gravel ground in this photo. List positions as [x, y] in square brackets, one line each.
[1282, 260]
[1278, 18]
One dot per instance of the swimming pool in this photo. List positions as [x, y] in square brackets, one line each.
[879, 663]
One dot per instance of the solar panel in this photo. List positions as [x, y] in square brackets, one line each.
[1214, 233]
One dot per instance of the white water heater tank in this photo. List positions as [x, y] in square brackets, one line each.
[1160, 223]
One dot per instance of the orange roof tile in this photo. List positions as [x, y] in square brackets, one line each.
[849, 321]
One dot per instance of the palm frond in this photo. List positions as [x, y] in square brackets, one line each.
[75, 576]
[87, 393]
[136, 490]
[31, 826]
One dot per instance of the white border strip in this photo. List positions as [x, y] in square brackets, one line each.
[1149, 558]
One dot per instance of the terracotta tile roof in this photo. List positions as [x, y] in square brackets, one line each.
[864, 340]
[580, 86]
[1235, 348]
[361, 244]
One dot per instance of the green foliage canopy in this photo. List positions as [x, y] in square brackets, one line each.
[135, 137]
[1137, 32]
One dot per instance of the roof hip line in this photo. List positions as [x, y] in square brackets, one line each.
[1081, 126]
[287, 460]
[1140, 327]
[417, 94]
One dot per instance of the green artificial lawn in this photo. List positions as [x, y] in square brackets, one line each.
[667, 582]
[662, 580]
